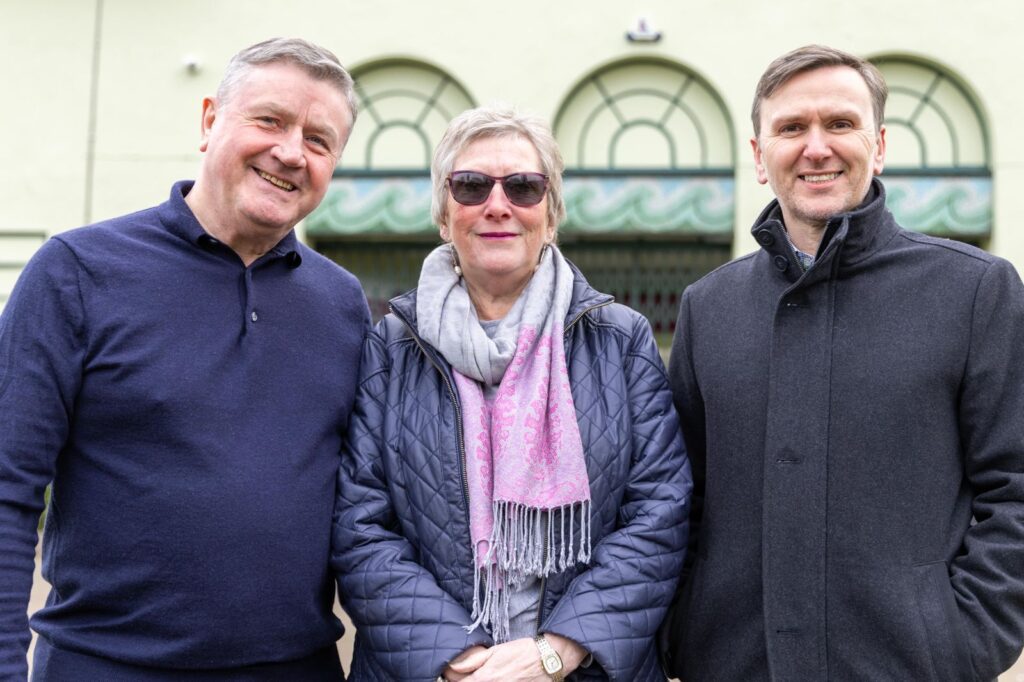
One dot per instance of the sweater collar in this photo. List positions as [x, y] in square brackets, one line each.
[850, 237]
[179, 220]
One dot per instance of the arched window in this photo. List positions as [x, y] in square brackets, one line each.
[404, 109]
[375, 219]
[649, 150]
[645, 114]
[938, 171]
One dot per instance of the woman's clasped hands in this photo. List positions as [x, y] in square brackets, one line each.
[515, 660]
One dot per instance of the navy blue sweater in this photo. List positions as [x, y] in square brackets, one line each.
[189, 411]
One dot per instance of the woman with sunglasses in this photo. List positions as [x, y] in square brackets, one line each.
[513, 496]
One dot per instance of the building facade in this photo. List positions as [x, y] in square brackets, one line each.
[650, 105]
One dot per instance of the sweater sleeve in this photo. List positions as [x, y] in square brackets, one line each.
[412, 625]
[987, 577]
[614, 608]
[41, 356]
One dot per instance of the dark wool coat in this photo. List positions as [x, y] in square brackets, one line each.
[857, 438]
[401, 532]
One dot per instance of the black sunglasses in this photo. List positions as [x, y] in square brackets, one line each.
[471, 188]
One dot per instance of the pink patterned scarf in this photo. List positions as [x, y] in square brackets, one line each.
[529, 494]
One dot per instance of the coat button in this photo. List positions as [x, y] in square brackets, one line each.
[782, 263]
[765, 237]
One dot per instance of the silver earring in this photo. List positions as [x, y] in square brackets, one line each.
[455, 260]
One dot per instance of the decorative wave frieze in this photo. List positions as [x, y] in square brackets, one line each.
[643, 204]
[649, 204]
[942, 206]
[596, 204]
[374, 206]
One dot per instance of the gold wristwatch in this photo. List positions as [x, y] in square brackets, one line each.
[549, 659]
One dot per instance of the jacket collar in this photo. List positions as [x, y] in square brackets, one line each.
[584, 297]
[849, 237]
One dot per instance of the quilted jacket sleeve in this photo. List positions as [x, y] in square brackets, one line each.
[412, 626]
[987, 576]
[614, 608]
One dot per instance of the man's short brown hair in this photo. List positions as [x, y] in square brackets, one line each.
[808, 58]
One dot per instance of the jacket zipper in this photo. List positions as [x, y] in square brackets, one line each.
[544, 579]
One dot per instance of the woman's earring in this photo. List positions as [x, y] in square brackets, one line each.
[540, 258]
[455, 260]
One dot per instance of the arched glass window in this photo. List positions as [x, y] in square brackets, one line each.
[645, 114]
[375, 219]
[382, 184]
[649, 186]
[937, 174]
[404, 109]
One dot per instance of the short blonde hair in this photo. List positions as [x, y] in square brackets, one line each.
[496, 120]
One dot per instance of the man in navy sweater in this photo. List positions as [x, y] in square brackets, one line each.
[183, 375]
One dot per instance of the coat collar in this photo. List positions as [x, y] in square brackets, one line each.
[849, 237]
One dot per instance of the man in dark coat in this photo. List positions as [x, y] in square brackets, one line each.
[854, 413]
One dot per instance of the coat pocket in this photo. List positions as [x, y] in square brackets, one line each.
[950, 655]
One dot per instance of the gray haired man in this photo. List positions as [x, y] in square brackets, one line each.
[183, 375]
[852, 399]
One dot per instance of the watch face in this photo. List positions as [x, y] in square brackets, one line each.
[551, 664]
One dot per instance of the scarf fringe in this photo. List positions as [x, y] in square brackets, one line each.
[525, 541]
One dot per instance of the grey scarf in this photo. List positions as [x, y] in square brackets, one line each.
[447, 319]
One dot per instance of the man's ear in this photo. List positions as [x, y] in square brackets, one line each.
[762, 176]
[879, 159]
[206, 123]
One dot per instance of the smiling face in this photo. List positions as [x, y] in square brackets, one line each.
[269, 153]
[819, 146]
[498, 243]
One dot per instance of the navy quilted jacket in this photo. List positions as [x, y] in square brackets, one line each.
[401, 546]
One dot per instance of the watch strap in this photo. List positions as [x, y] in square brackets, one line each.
[549, 658]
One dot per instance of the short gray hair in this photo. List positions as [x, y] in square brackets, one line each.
[496, 120]
[319, 62]
[809, 58]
